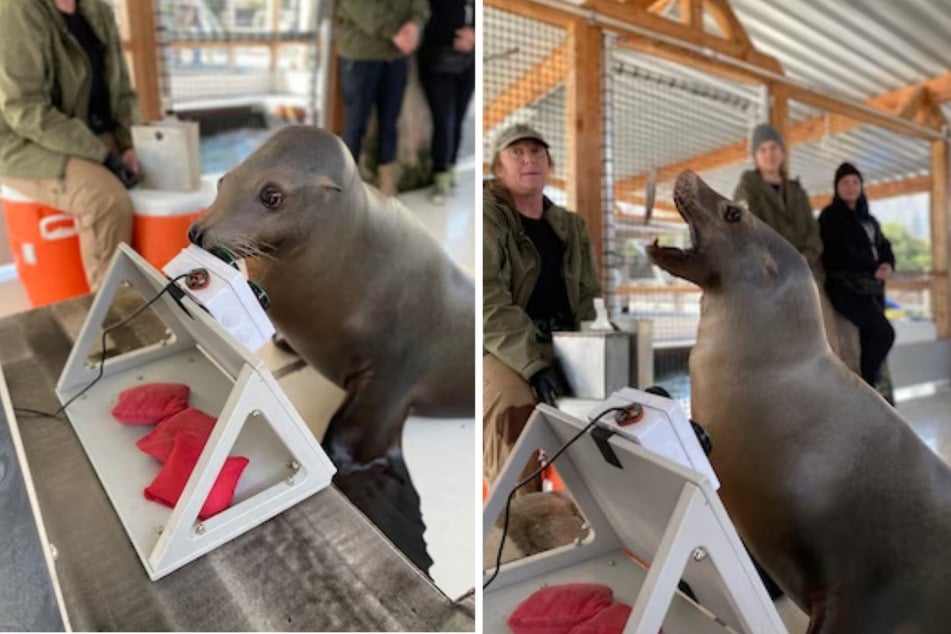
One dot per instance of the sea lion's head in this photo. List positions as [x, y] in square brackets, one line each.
[730, 244]
[286, 192]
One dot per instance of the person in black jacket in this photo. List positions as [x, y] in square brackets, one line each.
[858, 259]
[447, 73]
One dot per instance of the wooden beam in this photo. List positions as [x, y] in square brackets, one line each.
[883, 190]
[726, 20]
[654, 46]
[779, 108]
[691, 14]
[538, 81]
[584, 132]
[145, 69]
[335, 118]
[940, 241]
[274, 24]
[859, 115]
[805, 131]
[671, 29]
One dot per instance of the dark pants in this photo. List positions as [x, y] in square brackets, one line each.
[876, 335]
[367, 83]
[448, 95]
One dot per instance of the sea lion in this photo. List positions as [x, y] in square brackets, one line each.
[364, 294]
[841, 502]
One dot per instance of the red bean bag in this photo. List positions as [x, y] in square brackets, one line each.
[193, 422]
[168, 485]
[149, 403]
[557, 609]
[608, 621]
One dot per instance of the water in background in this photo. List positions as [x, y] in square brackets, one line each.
[225, 150]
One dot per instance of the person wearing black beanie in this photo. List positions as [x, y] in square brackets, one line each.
[858, 259]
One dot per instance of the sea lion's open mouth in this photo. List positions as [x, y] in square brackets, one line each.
[686, 207]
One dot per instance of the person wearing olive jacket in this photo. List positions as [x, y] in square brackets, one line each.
[374, 40]
[776, 199]
[66, 112]
[539, 276]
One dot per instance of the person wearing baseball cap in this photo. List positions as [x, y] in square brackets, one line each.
[539, 276]
[858, 259]
[776, 199]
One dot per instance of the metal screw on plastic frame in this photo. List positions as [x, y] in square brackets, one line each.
[200, 528]
[699, 554]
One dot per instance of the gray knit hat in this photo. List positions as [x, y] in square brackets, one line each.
[762, 133]
[515, 133]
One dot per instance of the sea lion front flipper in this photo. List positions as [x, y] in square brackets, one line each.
[364, 442]
[384, 492]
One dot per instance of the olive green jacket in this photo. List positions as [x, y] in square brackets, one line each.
[45, 83]
[788, 212]
[510, 268]
[365, 28]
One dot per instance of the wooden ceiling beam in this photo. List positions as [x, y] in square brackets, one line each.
[726, 20]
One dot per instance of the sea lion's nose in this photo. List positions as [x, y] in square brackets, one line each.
[195, 234]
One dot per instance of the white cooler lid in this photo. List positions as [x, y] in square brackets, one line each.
[8, 193]
[152, 202]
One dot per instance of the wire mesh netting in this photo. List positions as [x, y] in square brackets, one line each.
[525, 65]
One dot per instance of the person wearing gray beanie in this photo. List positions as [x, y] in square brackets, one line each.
[777, 200]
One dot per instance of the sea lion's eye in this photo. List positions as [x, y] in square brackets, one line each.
[272, 197]
[733, 214]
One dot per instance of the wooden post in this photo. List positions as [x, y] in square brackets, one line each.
[144, 47]
[940, 242]
[779, 110]
[335, 118]
[584, 131]
[274, 26]
[691, 13]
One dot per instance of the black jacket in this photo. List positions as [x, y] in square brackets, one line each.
[436, 52]
[847, 255]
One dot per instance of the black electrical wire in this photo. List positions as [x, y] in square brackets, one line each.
[535, 474]
[102, 357]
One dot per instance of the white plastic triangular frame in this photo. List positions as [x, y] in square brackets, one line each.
[281, 473]
[692, 525]
[253, 401]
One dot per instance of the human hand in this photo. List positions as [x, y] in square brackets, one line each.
[130, 158]
[464, 40]
[884, 271]
[549, 384]
[407, 38]
[117, 166]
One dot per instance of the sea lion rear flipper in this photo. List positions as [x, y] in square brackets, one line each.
[364, 442]
[824, 609]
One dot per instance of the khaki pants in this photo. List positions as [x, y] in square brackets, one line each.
[98, 201]
[507, 401]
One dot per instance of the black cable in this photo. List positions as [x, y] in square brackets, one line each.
[536, 473]
[102, 358]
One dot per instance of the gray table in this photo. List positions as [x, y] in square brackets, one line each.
[318, 566]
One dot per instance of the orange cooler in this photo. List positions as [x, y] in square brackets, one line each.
[161, 220]
[45, 246]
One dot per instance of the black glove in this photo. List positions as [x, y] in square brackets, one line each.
[549, 384]
[117, 166]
